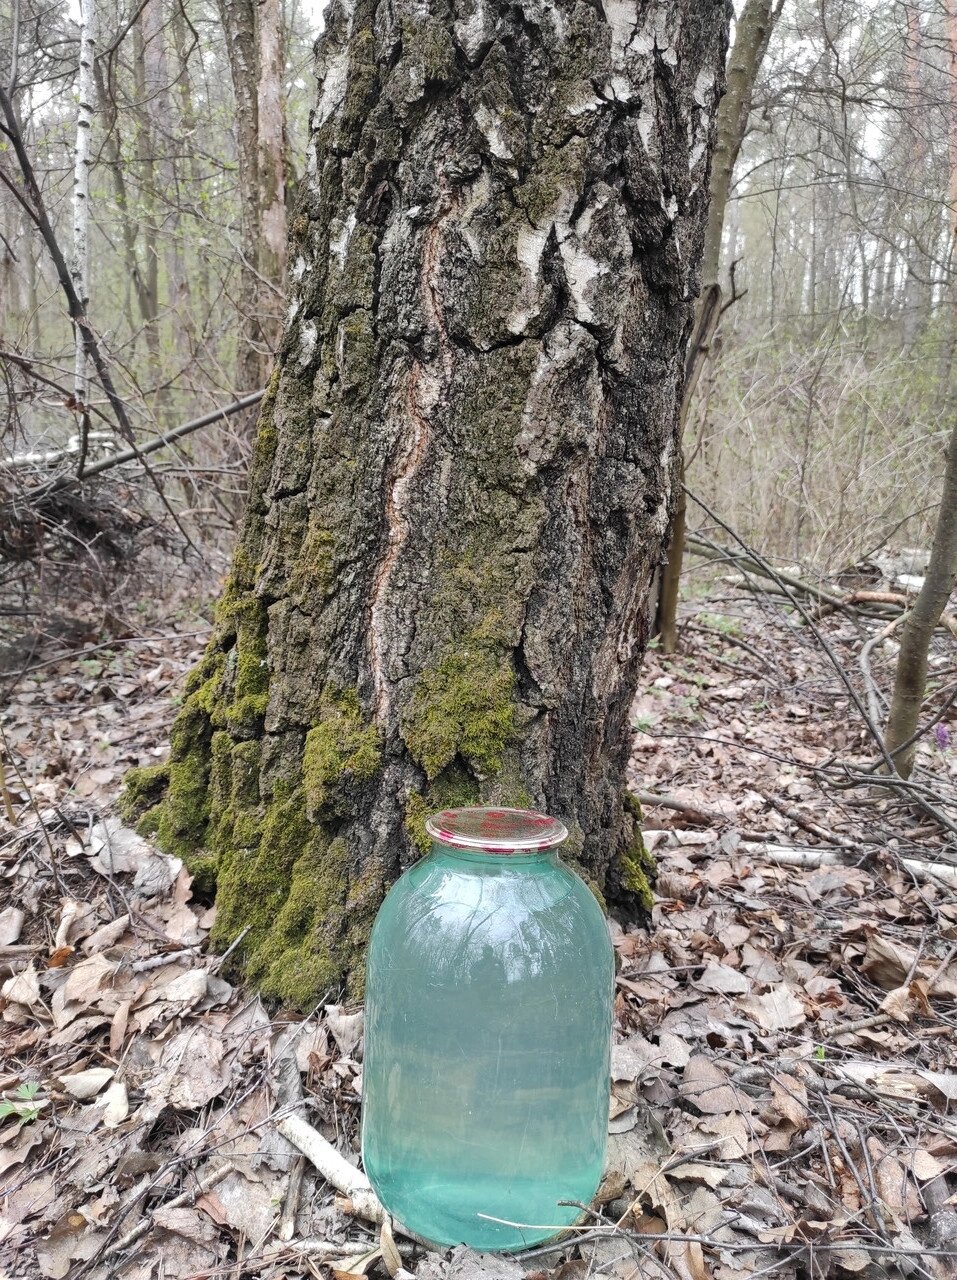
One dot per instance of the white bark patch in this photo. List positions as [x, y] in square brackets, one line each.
[307, 343]
[299, 268]
[80, 264]
[490, 125]
[339, 246]
[618, 89]
[584, 106]
[528, 250]
[703, 86]
[472, 32]
[334, 84]
[622, 18]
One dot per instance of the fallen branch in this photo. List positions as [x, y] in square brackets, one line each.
[940, 873]
[335, 1168]
[132, 455]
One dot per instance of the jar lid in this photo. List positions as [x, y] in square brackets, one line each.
[496, 830]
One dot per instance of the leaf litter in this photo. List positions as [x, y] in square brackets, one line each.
[784, 1073]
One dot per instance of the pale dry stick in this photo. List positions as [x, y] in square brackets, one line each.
[185, 1197]
[943, 874]
[864, 662]
[335, 1169]
[7, 802]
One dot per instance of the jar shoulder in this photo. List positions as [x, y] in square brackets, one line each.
[440, 898]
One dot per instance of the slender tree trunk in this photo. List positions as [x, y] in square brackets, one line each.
[270, 171]
[752, 32]
[910, 679]
[82, 161]
[239, 22]
[464, 469]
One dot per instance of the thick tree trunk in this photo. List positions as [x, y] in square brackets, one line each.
[464, 466]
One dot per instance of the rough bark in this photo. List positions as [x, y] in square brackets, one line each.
[910, 678]
[464, 467]
[752, 33]
[254, 44]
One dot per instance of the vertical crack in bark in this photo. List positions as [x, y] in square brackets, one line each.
[423, 390]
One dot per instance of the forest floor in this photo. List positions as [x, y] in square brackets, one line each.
[785, 1069]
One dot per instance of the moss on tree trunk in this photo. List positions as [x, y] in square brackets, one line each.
[464, 466]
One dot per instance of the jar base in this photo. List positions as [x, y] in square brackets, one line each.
[486, 1215]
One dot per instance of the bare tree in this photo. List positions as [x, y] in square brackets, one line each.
[752, 32]
[911, 675]
[80, 260]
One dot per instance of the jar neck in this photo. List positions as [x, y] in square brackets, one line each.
[520, 860]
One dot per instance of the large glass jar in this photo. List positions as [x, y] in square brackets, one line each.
[488, 1028]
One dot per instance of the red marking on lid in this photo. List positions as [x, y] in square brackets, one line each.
[500, 831]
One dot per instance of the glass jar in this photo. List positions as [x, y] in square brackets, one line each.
[489, 988]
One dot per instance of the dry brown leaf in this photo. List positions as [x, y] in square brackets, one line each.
[790, 1100]
[852, 1260]
[346, 1028]
[694, 1171]
[71, 1240]
[82, 988]
[83, 1085]
[107, 934]
[707, 1086]
[722, 979]
[777, 1010]
[192, 1071]
[387, 1247]
[115, 1105]
[11, 923]
[23, 988]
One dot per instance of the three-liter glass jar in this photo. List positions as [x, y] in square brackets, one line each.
[488, 1029]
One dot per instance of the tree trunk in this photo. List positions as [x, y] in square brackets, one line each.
[752, 33]
[464, 468]
[910, 679]
[254, 44]
[82, 162]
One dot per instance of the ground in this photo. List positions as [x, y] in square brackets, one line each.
[784, 1071]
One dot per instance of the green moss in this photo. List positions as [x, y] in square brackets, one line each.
[637, 866]
[339, 750]
[143, 789]
[453, 789]
[462, 707]
[312, 575]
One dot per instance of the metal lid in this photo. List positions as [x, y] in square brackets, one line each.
[501, 831]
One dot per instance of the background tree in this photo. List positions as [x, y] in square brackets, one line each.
[464, 467]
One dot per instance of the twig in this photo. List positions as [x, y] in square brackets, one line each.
[132, 455]
[185, 1197]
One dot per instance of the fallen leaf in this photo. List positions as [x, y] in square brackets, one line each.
[708, 1087]
[11, 923]
[346, 1028]
[115, 1105]
[87, 1084]
[777, 1010]
[23, 988]
[722, 979]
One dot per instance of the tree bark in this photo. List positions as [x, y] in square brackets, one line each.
[752, 33]
[82, 162]
[254, 44]
[910, 678]
[464, 467]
